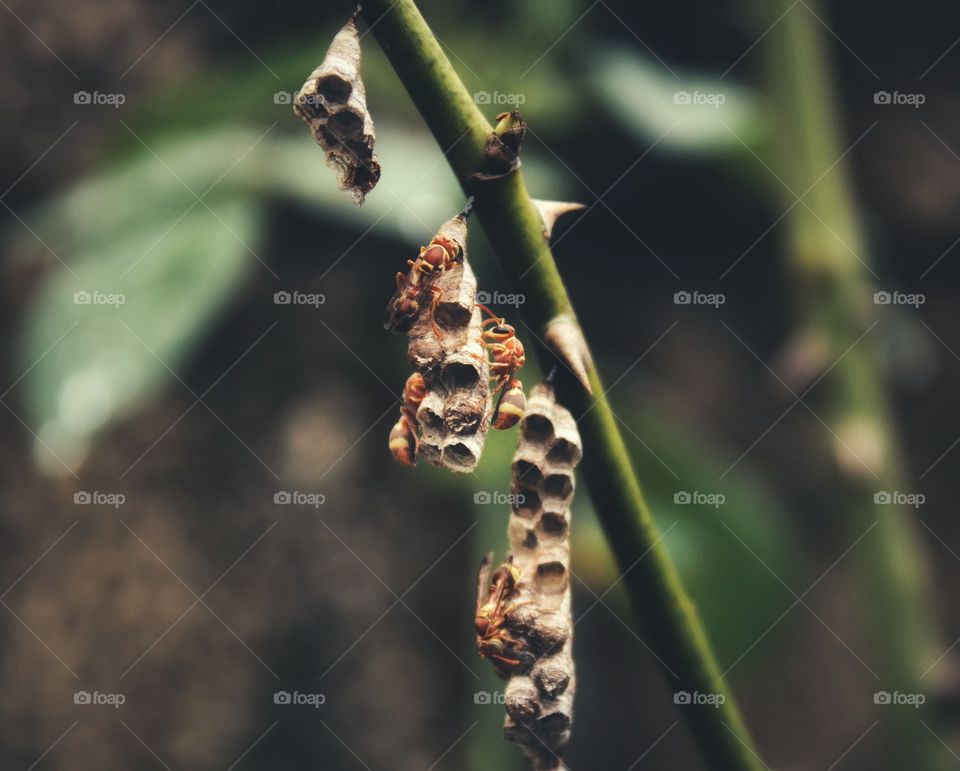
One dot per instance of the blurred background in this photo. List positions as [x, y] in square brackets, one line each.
[198, 509]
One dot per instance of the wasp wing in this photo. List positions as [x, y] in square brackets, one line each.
[483, 578]
[390, 321]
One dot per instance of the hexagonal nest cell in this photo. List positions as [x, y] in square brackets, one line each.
[333, 102]
[447, 350]
[526, 501]
[539, 702]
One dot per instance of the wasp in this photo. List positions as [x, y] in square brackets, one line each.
[403, 440]
[415, 288]
[494, 641]
[507, 358]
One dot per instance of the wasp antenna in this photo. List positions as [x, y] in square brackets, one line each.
[468, 207]
[485, 309]
[445, 345]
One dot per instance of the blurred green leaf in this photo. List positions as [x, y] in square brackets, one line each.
[738, 597]
[696, 114]
[137, 230]
[121, 332]
[736, 594]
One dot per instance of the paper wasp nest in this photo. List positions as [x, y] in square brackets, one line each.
[333, 102]
[452, 420]
[539, 703]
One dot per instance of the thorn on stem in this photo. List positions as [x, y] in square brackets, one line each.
[565, 339]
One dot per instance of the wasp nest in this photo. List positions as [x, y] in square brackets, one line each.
[333, 102]
[447, 349]
[539, 701]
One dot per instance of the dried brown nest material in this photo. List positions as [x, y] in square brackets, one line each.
[539, 698]
[333, 102]
[502, 151]
[446, 348]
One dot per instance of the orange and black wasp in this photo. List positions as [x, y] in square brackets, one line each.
[403, 437]
[415, 288]
[507, 359]
[494, 640]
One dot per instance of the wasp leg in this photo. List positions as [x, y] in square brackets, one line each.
[510, 608]
[493, 316]
[437, 294]
[496, 322]
[498, 389]
[492, 417]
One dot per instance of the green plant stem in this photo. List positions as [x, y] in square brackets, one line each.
[834, 293]
[512, 223]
